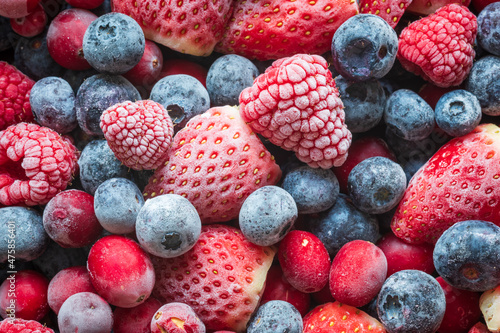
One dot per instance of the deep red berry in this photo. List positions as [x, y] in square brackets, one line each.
[137, 319]
[296, 105]
[432, 93]
[147, 71]
[479, 328]
[184, 66]
[304, 260]
[23, 326]
[17, 8]
[32, 24]
[390, 10]
[427, 7]
[85, 4]
[176, 317]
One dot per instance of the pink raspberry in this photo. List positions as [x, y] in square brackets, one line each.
[439, 47]
[36, 163]
[296, 105]
[139, 133]
[23, 326]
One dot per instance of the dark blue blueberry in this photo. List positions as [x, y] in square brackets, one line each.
[113, 43]
[314, 190]
[376, 185]
[7, 35]
[411, 301]
[21, 234]
[408, 115]
[56, 258]
[32, 57]
[267, 215]
[467, 255]
[276, 317]
[343, 223]
[103, 8]
[76, 78]
[227, 77]
[411, 166]
[458, 112]
[97, 164]
[364, 47]
[168, 225]
[364, 103]
[53, 104]
[484, 82]
[96, 94]
[488, 28]
[183, 96]
[117, 202]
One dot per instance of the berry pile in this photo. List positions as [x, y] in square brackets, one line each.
[249, 166]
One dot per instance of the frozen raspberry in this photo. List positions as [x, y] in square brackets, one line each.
[15, 90]
[296, 105]
[36, 163]
[139, 133]
[439, 47]
[23, 326]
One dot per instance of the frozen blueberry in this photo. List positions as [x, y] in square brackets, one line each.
[117, 202]
[343, 223]
[276, 317]
[411, 301]
[458, 112]
[488, 28]
[376, 185]
[114, 43]
[96, 94]
[56, 258]
[183, 96]
[53, 104]
[484, 82]
[22, 236]
[267, 215]
[364, 47]
[408, 115]
[364, 103]
[168, 225]
[97, 164]
[227, 77]
[467, 255]
[314, 190]
[85, 312]
[75, 78]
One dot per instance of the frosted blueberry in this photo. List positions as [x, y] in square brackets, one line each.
[276, 317]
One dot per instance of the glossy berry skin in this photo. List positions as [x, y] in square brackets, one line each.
[176, 317]
[364, 47]
[69, 219]
[488, 28]
[53, 104]
[357, 273]
[149, 68]
[411, 301]
[121, 271]
[227, 77]
[28, 289]
[136, 319]
[458, 112]
[304, 260]
[31, 24]
[267, 215]
[483, 83]
[168, 225]
[117, 201]
[276, 317]
[314, 190]
[462, 309]
[408, 116]
[85, 312]
[467, 255]
[21, 325]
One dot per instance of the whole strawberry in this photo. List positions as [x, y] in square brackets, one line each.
[274, 29]
[460, 182]
[215, 162]
[296, 105]
[222, 277]
[192, 27]
[439, 47]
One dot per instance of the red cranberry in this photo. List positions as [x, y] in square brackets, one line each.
[85, 4]
[431, 93]
[147, 71]
[136, 319]
[183, 66]
[30, 25]
[17, 8]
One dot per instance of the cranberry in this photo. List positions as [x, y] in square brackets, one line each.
[147, 71]
[17, 8]
[85, 4]
[183, 66]
[136, 319]
[30, 25]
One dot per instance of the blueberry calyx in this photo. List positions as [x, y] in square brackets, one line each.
[171, 240]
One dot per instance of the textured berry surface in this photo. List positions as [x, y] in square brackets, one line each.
[296, 105]
[139, 133]
[391, 11]
[439, 47]
[489, 28]
[276, 316]
[23, 326]
[223, 270]
[216, 161]
[427, 7]
[483, 83]
[458, 112]
[136, 319]
[85, 312]
[176, 317]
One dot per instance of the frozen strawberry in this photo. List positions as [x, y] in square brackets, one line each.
[458, 183]
[192, 27]
[221, 277]
[139, 133]
[275, 29]
[215, 162]
[336, 317]
[390, 10]
[36, 163]
[439, 47]
[427, 7]
[23, 326]
[15, 90]
[296, 105]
